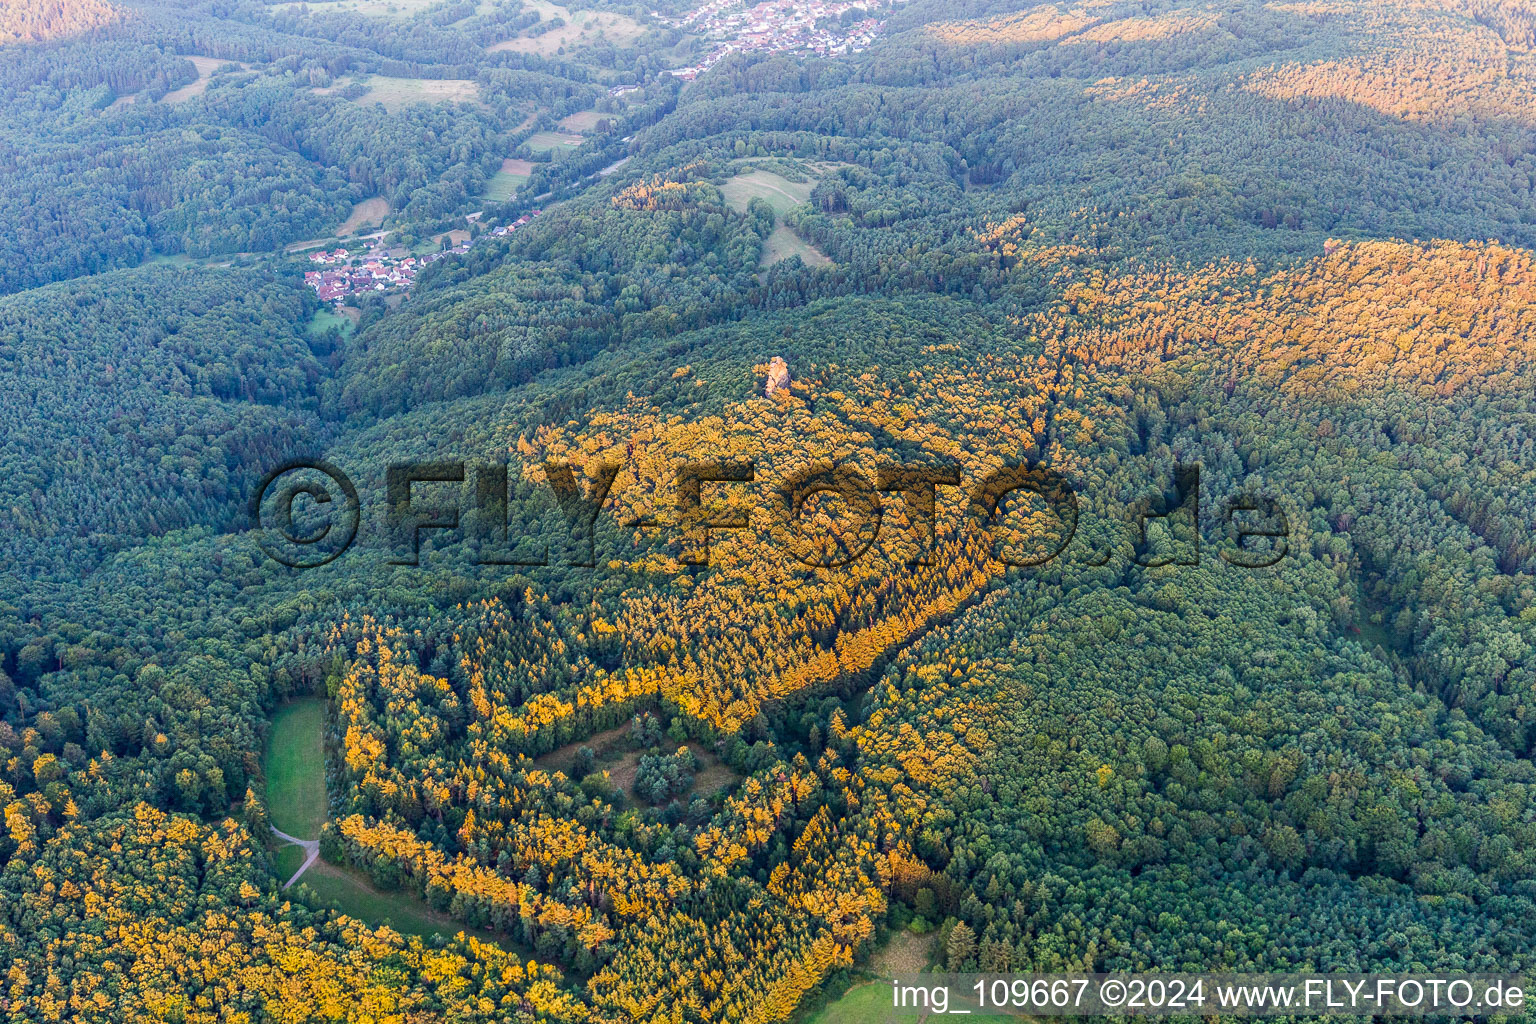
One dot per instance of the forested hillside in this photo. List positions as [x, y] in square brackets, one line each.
[1123, 723]
[211, 129]
[166, 390]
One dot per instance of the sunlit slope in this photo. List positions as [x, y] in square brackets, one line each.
[1258, 378]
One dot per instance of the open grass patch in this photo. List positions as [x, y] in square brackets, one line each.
[542, 142]
[187, 92]
[870, 1002]
[775, 190]
[865, 1003]
[369, 213]
[503, 185]
[295, 768]
[323, 320]
[584, 121]
[782, 243]
[608, 744]
[347, 890]
[206, 66]
[713, 775]
[612, 754]
[622, 773]
[581, 28]
[398, 93]
[286, 860]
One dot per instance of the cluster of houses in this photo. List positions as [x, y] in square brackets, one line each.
[346, 272]
[378, 270]
[778, 25]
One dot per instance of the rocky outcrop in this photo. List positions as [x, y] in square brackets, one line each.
[778, 375]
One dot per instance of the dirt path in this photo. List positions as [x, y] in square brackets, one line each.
[787, 195]
[311, 848]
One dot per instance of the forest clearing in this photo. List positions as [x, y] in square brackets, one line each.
[397, 93]
[369, 213]
[206, 66]
[583, 121]
[581, 28]
[774, 189]
[782, 243]
[295, 768]
[505, 182]
[543, 142]
[349, 891]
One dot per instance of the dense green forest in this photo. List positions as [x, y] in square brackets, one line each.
[1290, 244]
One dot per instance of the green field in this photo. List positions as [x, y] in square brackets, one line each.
[870, 1003]
[324, 320]
[206, 66]
[622, 764]
[777, 191]
[782, 195]
[541, 142]
[349, 892]
[295, 768]
[581, 28]
[503, 186]
[366, 214]
[585, 121]
[397, 93]
[286, 861]
[782, 243]
[178, 259]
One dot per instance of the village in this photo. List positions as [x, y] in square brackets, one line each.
[778, 25]
[384, 269]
